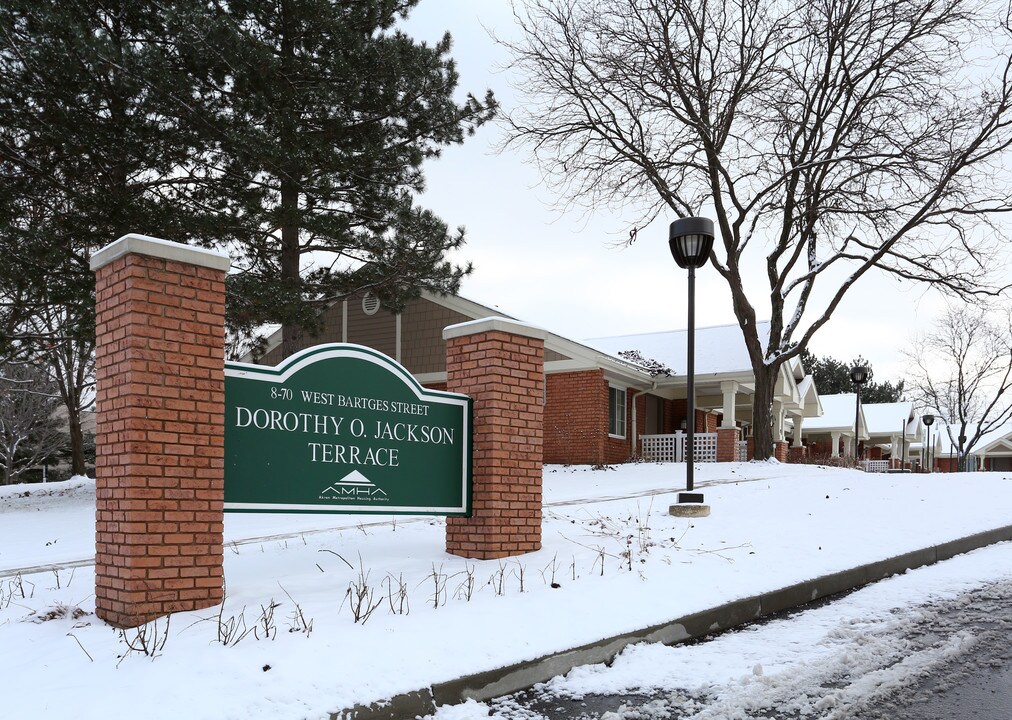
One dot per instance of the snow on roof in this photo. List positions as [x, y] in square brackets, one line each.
[837, 413]
[948, 446]
[887, 418]
[719, 349]
[1002, 432]
[988, 441]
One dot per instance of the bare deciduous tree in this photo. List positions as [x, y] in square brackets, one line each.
[70, 356]
[28, 432]
[826, 138]
[964, 373]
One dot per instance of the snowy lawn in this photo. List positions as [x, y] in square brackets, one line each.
[286, 644]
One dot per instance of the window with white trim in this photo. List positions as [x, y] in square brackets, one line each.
[616, 411]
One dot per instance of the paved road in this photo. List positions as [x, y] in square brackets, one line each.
[973, 682]
[976, 685]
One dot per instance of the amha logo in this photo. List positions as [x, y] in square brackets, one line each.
[354, 487]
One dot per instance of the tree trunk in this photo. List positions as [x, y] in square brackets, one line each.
[291, 333]
[77, 465]
[291, 275]
[8, 478]
[762, 411]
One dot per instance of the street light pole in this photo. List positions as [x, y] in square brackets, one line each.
[690, 241]
[928, 421]
[858, 376]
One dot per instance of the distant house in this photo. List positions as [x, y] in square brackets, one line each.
[833, 434]
[884, 431]
[607, 400]
[894, 432]
[993, 452]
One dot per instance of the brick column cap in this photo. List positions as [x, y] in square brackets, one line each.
[494, 324]
[164, 249]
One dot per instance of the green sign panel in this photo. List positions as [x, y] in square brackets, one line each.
[345, 429]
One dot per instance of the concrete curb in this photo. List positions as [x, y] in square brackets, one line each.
[505, 680]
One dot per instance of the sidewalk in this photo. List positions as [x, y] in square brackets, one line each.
[371, 618]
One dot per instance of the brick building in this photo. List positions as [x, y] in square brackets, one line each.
[890, 432]
[992, 453]
[600, 400]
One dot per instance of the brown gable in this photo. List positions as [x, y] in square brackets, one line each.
[423, 349]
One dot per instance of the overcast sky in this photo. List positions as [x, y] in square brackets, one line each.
[561, 270]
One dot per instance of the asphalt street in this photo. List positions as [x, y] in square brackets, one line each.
[975, 684]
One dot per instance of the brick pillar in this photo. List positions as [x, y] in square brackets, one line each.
[780, 450]
[727, 444]
[159, 470]
[500, 364]
[797, 454]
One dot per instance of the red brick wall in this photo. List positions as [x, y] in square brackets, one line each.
[797, 454]
[705, 422]
[503, 373]
[576, 418]
[945, 464]
[727, 444]
[670, 419]
[820, 447]
[160, 427]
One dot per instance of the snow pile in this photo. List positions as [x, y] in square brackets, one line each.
[323, 612]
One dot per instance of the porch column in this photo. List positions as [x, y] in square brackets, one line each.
[727, 444]
[895, 452]
[798, 422]
[835, 451]
[729, 388]
[778, 421]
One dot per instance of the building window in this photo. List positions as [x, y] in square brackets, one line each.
[616, 412]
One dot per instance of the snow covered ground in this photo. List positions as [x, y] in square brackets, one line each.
[286, 643]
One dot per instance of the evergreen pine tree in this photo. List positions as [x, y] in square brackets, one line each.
[323, 113]
[832, 377]
[93, 145]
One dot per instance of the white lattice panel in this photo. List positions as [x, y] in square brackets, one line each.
[875, 466]
[663, 448]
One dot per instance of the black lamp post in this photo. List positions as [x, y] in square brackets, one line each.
[690, 241]
[928, 421]
[858, 376]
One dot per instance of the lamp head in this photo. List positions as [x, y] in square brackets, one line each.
[690, 240]
[928, 420]
[859, 374]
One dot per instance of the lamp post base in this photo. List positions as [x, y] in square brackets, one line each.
[689, 510]
[690, 505]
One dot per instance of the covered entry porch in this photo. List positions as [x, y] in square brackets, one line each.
[723, 422]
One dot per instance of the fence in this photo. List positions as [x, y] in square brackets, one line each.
[671, 448]
[875, 466]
